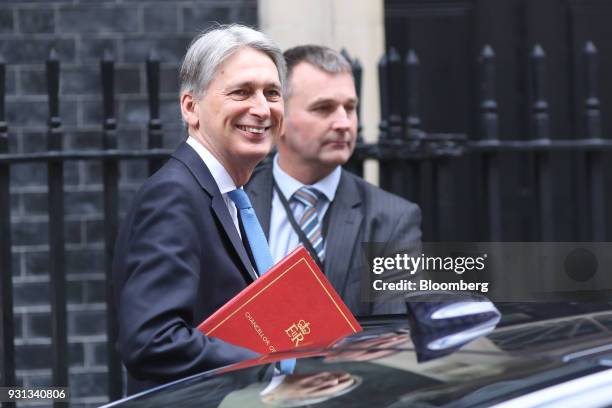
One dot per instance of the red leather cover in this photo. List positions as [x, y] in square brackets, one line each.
[291, 306]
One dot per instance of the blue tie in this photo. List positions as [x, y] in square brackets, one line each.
[252, 228]
[259, 247]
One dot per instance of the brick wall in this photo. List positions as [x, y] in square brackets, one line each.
[80, 31]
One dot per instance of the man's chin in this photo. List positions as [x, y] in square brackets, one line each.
[255, 155]
[336, 159]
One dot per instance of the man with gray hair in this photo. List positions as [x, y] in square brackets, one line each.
[185, 248]
[306, 197]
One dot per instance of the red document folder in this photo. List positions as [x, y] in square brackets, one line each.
[291, 306]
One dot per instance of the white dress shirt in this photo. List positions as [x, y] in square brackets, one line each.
[222, 178]
[283, 238]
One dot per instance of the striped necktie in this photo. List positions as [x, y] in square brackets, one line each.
[309, 222]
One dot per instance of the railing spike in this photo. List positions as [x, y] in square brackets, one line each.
[107, 56]
[2, 94]
[53, 55]
[155, 135]
[412, 123]
[107, 71]
[153, 56]
[396, 99]
[412, 58]
[538, 51]
[487, 52]
[589, 48]
[393, 55]
[383, 64]
[346, 55]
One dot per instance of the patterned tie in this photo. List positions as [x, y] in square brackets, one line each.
[259, 247]
[309, 222]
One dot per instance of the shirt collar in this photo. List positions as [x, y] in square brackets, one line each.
[288, 185]
[222, 178]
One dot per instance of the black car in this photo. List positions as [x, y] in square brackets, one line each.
[557, 355]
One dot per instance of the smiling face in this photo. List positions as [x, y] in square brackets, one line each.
[240, 112]
[320, 123]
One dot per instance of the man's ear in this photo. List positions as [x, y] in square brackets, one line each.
[189, 110]
[281, 134]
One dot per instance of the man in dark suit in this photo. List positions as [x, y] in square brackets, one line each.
[344, 210]
[182, 252]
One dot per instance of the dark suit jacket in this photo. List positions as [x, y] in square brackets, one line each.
[359, 213]
[178, 258]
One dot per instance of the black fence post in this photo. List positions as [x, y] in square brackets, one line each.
[111, 221]
[489, 127]
[358, 75]
[7, 346]
[442, 220]
[384, 136]
[594, 158]
[443, 194]
[541, 133]
[383, 80]
[395, 95]
[392, 177]
[412, 124]
[357, 71]
[56, 230]
[155, 125]
[411, 70]
[355, 163]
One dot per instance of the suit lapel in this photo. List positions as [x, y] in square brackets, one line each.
[345, 219]
[194, 163]
[260, 192]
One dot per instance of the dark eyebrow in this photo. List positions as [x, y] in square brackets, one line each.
[252, 84]
[322, 101]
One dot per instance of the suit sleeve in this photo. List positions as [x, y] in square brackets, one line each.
[406, 231]
[408, 228]
[161, 270]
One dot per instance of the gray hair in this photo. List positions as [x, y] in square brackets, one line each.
[211, 48]
[319, 56]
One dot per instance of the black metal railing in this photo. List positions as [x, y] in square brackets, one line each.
[418, 164]
[57, 252]
[7, 347]
[55, 157]
[404, 149]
